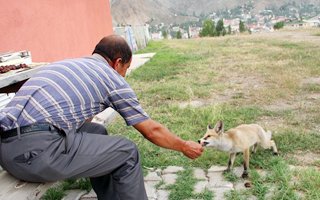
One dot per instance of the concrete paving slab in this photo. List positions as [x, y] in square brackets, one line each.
[200, 186]
[163, 195]
[172, 170]
[89, 196]
[200, 174]
[74, 194]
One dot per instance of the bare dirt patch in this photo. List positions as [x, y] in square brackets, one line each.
[297, 36]
[311, 80]
[305, 158]
[271, 123]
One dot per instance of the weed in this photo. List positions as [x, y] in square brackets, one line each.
[54, 193]
[310, 183]
[183, 188]
[231, 176]
[259, 187]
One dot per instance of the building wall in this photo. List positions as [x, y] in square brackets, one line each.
[53, 29]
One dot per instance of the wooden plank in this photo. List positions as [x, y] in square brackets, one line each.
[16, 76]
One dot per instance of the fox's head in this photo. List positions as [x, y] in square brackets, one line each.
[212, 136]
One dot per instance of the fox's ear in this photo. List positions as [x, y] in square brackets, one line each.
[219, 127]
[209, 126]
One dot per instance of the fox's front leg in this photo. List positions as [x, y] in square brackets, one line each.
[274, 147]
[254, 148]
[246, 156]
[232, 157]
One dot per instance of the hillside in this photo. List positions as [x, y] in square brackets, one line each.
[139, 12]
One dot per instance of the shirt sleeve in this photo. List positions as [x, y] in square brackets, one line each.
[126, 103]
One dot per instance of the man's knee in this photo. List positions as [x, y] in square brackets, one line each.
[101, 129]
[132, 161]
[130, 147]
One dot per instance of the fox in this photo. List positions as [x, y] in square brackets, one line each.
[238, 139]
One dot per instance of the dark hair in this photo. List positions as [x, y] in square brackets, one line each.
[113, 47]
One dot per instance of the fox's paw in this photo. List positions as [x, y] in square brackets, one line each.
[226, 171]
[275, 153]
[245, 175]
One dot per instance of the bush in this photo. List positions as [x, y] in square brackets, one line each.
[278, 25]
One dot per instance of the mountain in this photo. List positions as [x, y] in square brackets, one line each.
[139, 12]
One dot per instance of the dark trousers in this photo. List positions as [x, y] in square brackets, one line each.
[111, 162]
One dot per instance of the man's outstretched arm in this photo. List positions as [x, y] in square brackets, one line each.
[161, 136]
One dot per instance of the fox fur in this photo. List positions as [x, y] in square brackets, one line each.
[238, 139]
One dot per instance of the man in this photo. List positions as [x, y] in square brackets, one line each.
[46, 135]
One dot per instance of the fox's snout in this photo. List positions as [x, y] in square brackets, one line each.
[204, 143]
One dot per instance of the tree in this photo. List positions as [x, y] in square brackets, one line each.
[179, 35]
[164, 34]
[278, 25]
[220, 30]
[242, 27]
[207, 28]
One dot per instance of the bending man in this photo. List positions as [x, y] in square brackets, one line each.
[46, 135]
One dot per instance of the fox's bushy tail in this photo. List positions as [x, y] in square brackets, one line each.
[265, 137]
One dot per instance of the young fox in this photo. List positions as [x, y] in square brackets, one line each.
[238, 139]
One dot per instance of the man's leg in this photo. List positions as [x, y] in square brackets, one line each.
[126, 180]
[80, 154]
[102, 185]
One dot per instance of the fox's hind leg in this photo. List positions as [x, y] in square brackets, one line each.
[274, 147]
[232, 157]
[246, 157]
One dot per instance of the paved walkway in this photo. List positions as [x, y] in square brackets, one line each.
[212, 180]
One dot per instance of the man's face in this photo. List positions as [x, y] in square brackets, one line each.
[122, 68]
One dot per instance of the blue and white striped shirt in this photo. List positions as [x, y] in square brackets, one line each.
[68, 92]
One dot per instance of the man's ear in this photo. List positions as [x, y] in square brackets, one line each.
[117, 63]
[219, 127]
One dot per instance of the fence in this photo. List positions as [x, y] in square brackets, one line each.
[136, 36]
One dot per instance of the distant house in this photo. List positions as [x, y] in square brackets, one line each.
[156, 36]
[313, 22]
[233, 23]
[194, 32]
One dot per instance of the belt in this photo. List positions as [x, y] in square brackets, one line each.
[27, 129]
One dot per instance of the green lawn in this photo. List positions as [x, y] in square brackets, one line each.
[237, 79]
[269, 80]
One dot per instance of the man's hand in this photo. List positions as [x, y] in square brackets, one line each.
[192, 149]
[161, 136]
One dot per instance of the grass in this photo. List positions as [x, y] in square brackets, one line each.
[183, 188]
[58, 192]
[239, 79]
[310, 183]
[187, 70]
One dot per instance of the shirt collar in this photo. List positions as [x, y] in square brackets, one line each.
[99, 57]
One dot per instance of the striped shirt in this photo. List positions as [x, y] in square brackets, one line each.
[68, 92]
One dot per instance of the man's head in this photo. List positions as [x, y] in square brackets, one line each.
[116, 51]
